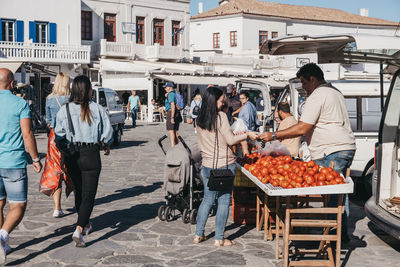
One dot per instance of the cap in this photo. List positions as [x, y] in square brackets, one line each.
[229, 88]
[168, 84]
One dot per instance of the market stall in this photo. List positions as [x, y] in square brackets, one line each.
[297, 193]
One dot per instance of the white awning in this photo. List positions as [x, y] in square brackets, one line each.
[186, 79]
[12, 66]
[127, 84]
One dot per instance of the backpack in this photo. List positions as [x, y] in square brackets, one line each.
[196, 109]
[180, 103]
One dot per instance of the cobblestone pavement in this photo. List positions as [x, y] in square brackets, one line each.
[127, 231]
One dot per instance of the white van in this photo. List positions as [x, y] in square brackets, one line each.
[383, 208]
[111, 102]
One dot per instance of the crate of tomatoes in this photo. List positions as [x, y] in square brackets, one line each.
[281, 175]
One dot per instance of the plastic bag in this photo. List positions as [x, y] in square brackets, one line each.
[304, 152]
[239, 126]
[275, 148]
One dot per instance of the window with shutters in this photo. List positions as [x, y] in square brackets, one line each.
[216, 40]
[7, 30]
[158, 31]
[86, 25]
[262, 38]
[140, 30]
[110, 23]
[233, 38]
[274, 34]
[175, 32]
[41, 32]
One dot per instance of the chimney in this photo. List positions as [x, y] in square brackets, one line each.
[200, 7]
[364, 12]
[223, 2]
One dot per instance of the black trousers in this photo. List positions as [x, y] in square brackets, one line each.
[84, 167]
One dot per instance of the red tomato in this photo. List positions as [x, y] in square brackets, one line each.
[246, 166]
[284, 183]
[264, 171]
[290, 186]
[324, 171]
[321, 183]
[310, 172]
[309, 180]
[321, 177]
[287, 159]
[311, 163]
[330, 177]
[299, 179]
[338, 180]
[275, 183]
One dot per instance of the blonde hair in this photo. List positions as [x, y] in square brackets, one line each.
[61, 84]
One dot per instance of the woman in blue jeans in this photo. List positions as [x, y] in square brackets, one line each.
[213, 121]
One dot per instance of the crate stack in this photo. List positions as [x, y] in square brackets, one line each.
[244, 199]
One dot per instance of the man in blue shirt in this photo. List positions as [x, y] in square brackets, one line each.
[15, 135]
[134, 106]
[173, 114]
[248, 114]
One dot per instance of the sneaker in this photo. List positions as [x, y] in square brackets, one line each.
[78, 238]
[2, 251]
[7, 248]
[87, 230]
[58, 213]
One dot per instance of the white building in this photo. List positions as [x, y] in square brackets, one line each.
[39, 42]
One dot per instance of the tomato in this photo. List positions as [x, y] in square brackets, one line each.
[284, 183]
[273, 161]
[310, 172]
[321, 177]
[300, 173]
[246, 166]
[275, 183]
[324, 171]
[280, 170]
[290, 186]
[293, 183]
[321, 183]
[251, 168]
[333, 182]
[287, 159]
[272, 170]
[264, 171]
[264, 180]
[298, 185]
[330, 177]
[311, 163]
[299, 179]
[330, 169]
[338, 180]
[309, 180]
[286, 166]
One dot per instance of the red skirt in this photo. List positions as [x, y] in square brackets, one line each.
[53, 173]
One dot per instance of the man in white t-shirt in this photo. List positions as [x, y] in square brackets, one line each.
[286, 121]
[325, 123]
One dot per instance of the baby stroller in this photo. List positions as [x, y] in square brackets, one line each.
[182, 183]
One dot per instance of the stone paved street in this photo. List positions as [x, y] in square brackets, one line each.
[127, 231]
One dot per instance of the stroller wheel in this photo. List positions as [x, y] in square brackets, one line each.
[161, 212]
[186, 216]
[193, 216]
[169, 214]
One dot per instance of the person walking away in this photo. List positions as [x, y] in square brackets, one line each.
[173, 115]
[213, 121]
[248, 114]
[54, 171]
[89, 129]
[287, 120]
[195, 106]
[326, 124]
[134, 106]
[15, 135]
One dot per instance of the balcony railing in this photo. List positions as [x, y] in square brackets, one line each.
[50, 53]
[130, 50]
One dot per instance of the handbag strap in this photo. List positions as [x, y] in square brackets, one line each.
[70, 127]
[58, 101]
[216, 147]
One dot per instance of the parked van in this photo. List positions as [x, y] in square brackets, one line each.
[111, 102]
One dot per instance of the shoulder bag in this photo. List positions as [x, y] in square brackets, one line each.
[220, 179]
[68, 149]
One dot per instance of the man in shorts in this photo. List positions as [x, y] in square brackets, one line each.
[15, 135]
[173, 115]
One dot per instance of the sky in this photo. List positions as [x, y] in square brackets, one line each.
[383, 9]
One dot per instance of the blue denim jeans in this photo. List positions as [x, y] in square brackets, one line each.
[134, 116]
[223, 198]
[341, 160]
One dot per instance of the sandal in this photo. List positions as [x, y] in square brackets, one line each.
[198, 239]
[224, 243]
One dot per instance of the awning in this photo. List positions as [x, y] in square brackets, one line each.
[186, 79]
[12, 66]
[127, 84]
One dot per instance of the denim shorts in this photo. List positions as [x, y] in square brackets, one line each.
[14, 185]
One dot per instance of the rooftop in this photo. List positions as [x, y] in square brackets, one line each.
[310, 13]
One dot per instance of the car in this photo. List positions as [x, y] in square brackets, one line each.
[110, 101]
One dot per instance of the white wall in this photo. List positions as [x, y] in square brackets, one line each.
[66, 13]
[126, 12]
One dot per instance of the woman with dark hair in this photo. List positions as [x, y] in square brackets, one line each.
[213, 121]
[88, 130]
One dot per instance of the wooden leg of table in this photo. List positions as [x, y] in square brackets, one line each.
[266, 218]
[258, 227]
[339, 229]
[277, 227]
[322, 244]
[286, 234]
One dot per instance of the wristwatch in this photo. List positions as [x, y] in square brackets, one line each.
[274, 136]
[36, 160]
